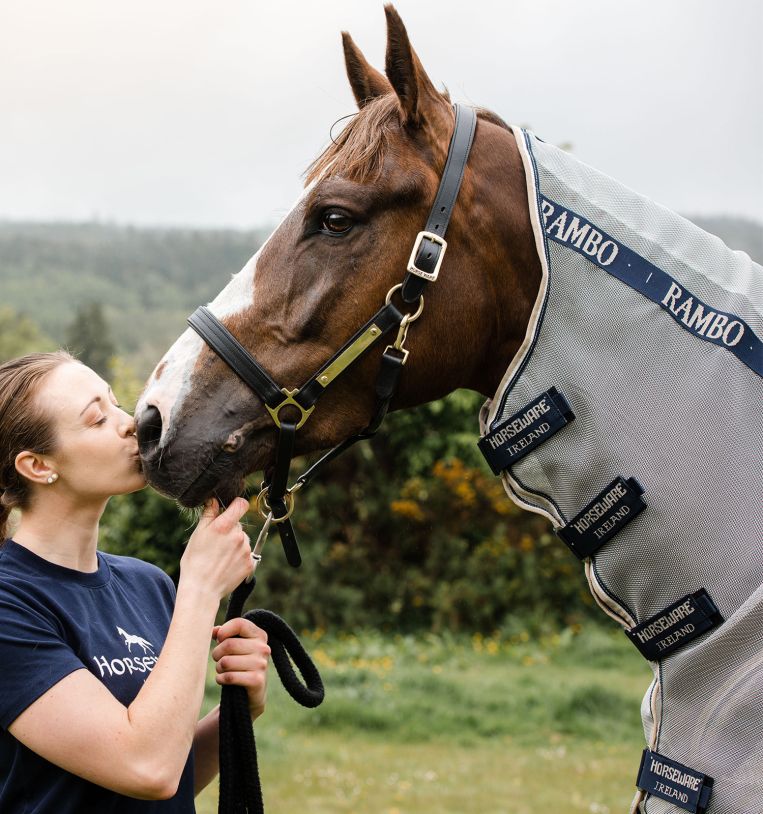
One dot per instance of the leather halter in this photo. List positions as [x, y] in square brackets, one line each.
[423, 267]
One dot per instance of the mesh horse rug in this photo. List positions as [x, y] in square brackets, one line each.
[632, 418]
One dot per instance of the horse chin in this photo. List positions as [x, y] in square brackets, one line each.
[225, 478]
[208, 485]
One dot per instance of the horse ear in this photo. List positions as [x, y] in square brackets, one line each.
[418, 96]
[366, 82]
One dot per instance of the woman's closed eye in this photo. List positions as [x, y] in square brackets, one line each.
[106, 418]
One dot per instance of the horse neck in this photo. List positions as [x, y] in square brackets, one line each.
[500, 261]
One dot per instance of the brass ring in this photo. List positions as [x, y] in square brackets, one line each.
[411, 317]
[392, 290]
[264, 508]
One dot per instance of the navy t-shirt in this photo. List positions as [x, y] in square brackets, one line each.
[53, 621]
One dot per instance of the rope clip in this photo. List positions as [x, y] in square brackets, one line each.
[261, 538]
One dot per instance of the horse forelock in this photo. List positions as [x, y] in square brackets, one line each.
[358, 151]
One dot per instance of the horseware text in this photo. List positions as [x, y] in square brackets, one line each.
[606, 515]
[673, 781]
[521, 423]
[526, 429]
[135, 664]
[676, 625]
[664, 622]
[661, 769]
[601, 507]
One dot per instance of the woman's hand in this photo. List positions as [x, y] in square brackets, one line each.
[218, 555]
[241, 658]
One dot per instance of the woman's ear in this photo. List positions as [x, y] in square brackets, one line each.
[35, 468]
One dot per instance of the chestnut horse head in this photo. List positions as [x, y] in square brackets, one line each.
[327, 269]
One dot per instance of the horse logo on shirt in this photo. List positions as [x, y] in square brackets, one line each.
[131, 639]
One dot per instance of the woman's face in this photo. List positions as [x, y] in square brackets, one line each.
[97, 453]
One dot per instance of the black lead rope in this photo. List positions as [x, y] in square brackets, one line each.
[240, 790]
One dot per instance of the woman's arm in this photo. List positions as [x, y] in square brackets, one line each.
[242, 661]
[141, 750]
[206, 751]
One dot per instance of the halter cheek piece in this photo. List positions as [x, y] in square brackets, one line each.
[276, 501]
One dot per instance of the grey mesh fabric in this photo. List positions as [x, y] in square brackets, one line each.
[654, 401]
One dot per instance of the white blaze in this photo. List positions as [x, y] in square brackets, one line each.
[167, 392]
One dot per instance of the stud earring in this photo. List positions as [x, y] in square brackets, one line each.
[53, 478]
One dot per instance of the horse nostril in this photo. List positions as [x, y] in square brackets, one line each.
[149, 429]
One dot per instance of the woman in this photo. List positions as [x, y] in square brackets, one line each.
[103, 665]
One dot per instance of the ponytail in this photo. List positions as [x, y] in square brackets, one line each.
[23, 425]
[5, 515]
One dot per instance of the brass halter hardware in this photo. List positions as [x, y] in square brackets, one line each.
[304, 413]
[402, 332]
[264, 508]
[411, 317]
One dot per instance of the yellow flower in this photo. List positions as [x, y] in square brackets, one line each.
[408, 508]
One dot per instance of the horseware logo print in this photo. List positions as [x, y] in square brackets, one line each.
[134, 663]
[130, 640]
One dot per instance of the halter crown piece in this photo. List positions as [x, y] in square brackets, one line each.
[276, 501]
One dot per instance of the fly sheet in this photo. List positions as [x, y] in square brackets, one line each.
[632, 418]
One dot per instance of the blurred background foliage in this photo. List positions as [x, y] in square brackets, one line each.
[395, 536]
[407, 532]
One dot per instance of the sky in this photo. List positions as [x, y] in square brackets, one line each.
[191, 113]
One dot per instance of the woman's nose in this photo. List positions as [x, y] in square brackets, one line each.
[128, 425]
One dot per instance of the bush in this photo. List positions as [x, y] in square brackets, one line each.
[408, 531]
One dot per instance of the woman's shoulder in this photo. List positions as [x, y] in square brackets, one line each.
[133, 568]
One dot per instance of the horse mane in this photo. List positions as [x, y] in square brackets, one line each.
[358, 151]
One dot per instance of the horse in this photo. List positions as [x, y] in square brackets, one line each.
[601, 353]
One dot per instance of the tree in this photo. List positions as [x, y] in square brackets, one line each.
[88, 337]
[19, 335]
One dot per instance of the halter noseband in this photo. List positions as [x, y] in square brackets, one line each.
[275, 500]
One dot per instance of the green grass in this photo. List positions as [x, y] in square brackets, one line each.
[444, 724]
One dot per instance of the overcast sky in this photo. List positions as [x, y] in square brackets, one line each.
[184, 112]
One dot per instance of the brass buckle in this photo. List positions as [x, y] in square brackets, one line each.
[263, 507]
[289, 400]
[414, 269]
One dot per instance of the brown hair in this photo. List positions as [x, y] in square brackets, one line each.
[358, 151]
[23, 425]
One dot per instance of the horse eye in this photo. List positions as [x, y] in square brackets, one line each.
[336, 222]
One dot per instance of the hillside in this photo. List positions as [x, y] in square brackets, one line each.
[149, 280]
